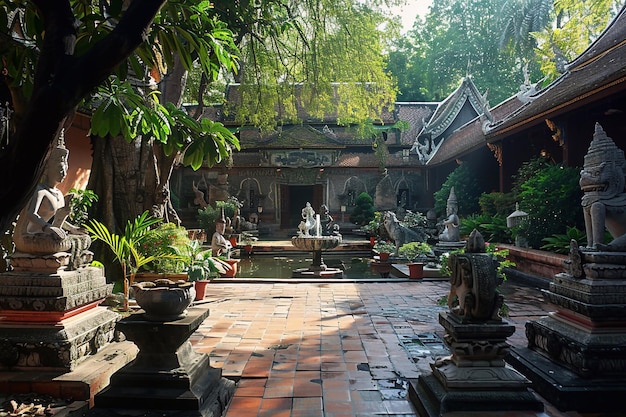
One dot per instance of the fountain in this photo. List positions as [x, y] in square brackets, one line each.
[316, 243]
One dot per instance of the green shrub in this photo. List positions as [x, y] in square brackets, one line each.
[551, 198]
[363, 211]
[161, 240]
[497, 203]
[492, 227]
[560, 243]
[209, 215]
[466, 188]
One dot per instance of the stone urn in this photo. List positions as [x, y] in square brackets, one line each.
[164, 300]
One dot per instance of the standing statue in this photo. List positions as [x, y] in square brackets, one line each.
[308, 220]
[602, 181]
[41, 228]
[451, 223]
[220, 246]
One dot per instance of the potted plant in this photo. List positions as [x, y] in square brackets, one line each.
[162, 242]
[124, 247]
[247, 239]
[412, 251]
[384, 249]
[201, 267]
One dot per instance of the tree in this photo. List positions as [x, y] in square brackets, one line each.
[269, 25]
[60, 80]
[456, 38]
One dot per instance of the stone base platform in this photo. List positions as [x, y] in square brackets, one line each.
[32, 346]
[81, 384]
[432, 399]
[565, 389]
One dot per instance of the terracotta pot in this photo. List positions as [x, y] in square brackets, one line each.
[233, 268]
[384, 256]
[200, 289]
[233, 241]
[416, 270]
[372, 241]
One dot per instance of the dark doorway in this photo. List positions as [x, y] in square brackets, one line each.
[294, 198]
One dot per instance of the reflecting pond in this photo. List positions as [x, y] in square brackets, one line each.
[355, 266]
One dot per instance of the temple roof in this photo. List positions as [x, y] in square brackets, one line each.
[470, 136]
[600, 70]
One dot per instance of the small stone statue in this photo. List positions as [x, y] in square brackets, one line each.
[451, 223]
[326, 220]
[41, 228]
[308, 221]
[220, 246]
[398, 233]
[604, 201]
[473, 283]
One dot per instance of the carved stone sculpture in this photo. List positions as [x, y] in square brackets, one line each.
[451, 223]
[41, 228]
[604, 201]
[308, 222]
[473, 283]
[220, 246]
[398, 233]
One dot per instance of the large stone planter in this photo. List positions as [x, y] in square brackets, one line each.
[164, 300]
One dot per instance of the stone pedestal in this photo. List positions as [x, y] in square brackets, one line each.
[167, 376]
[577, 354]
[475, 378]
[52, 321]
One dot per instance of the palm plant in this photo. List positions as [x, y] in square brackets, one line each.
[124, 247]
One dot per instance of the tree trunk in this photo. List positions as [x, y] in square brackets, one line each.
[61, 81]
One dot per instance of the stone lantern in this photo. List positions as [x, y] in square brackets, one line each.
[516, 219]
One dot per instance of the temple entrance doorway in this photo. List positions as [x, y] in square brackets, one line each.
[294, 198]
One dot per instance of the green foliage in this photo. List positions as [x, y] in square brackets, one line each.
[124, 247]
[547, 197]
[363, 211]
[384, 246]
[500, 255]
[299, 61]
[163, 239]
[80, 203]
[497, 203]
[492, 227]
[198, 262]
[209, 215]
[413, 250]
[466, 188]
[560, 243]
[413, 219]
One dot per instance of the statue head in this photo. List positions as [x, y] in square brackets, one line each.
[57, 164]
[604, 167]
[451, 205]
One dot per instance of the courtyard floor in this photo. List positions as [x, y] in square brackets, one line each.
[334, 349]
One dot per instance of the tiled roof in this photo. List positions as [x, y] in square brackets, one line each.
[598, 70]
[416, 114]
[471, 137]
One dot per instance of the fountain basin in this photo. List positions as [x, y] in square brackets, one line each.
[315, 243]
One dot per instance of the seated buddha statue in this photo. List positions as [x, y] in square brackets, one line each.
[41, 228]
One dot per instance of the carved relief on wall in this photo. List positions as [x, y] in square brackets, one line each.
[299, 158]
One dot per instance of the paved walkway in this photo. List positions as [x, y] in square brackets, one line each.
[333, 349]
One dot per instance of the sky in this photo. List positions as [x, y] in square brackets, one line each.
[410, 10]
